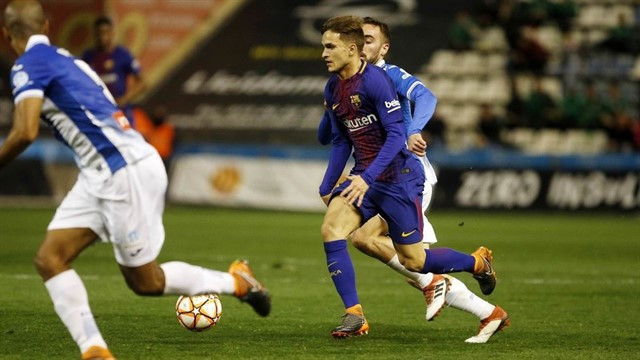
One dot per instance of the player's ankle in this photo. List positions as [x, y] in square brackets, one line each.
[355, 309]
[479, 264]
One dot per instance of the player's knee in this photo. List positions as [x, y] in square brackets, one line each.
[49, 265]
[145, 288]
[359, 240]
[330, 230]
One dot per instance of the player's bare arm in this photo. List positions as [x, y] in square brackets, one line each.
[26, 124]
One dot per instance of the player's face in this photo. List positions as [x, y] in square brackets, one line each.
[104, 36]
[375, 45]
[336, 53]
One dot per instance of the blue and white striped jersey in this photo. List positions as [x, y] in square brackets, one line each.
[78, 108]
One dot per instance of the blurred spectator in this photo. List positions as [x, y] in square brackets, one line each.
[539, 107]
[615, 102]
[529, 54]
[592, 113]
[490, 126]
[537, 11]
[434, 131]
[572, 107]
[119, 70]
[461, 32]
[515, 107]
[622, 133]
[157, 130]
[619, 37]
[563, 12]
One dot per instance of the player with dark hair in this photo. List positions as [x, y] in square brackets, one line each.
[120, 191]
[387, 179]
[372, 238]
[117, 67]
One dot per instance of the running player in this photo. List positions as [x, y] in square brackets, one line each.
[372, 237]
[117, 67]
[120, 191]
[365, 115]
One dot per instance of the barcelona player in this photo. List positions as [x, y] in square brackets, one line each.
[387, 179]
[117, 67]
[372, 237]
[120, 192]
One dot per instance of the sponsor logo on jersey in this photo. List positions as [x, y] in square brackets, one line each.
[355, 100]
[360, 122]
[404, 234]
[392, 103]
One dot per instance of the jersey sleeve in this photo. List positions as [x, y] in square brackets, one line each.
[132, 64]
[413, 89]
[340, 151]
[388, 107]
[324, 129]
[425, 106]
[29, 79]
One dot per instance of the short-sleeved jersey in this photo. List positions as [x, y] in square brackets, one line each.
[78, 108]
[113, 67]
[366, 114]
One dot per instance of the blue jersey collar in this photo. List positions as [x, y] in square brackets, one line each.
[380, 63]
[35, 40]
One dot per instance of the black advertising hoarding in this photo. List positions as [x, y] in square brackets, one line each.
[260, 77]
[536, 189]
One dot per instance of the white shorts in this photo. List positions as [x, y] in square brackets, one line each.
[125, 210]
[428, 234]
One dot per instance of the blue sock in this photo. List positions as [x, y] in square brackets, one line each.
[445, 260]
[341, 271]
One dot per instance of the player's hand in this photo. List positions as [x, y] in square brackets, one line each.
[354, 193]
[417, 145]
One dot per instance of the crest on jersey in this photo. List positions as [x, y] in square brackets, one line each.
[355, 100]
[20, 79]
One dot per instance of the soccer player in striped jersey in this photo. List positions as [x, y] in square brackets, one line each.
[120, 191]
[387, 179]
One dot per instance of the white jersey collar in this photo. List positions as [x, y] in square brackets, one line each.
[380, 63]
[35, 40]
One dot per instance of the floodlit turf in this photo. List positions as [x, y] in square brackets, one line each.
[571, 284]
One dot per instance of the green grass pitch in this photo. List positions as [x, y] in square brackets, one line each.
[571, 284]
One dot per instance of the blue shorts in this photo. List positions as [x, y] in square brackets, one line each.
[400, 204]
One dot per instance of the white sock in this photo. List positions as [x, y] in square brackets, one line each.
[71, 302]
[422, 279]
[461, 298]
[181, 278]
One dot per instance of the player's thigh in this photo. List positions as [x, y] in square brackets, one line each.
[400, 206]
[134, 221]
[340, 219]
[59, 248]
[146, 279]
